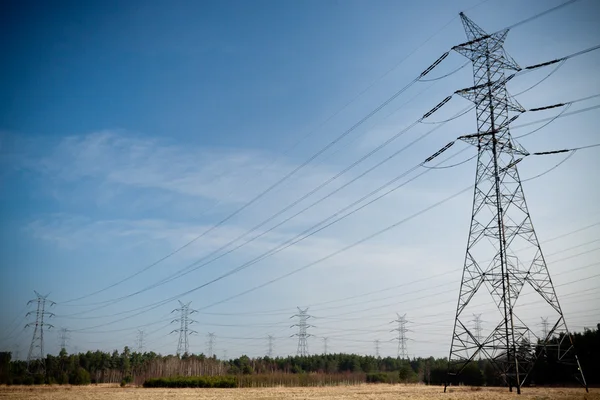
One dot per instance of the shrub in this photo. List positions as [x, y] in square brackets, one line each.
[80, 377]
[378, 377]
[192, 382]
[63, 378]
[126, 380]
[407, 375]
[39, 379]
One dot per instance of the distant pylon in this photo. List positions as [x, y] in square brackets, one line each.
[37, 340]
[325, 339]
[545, 328]
[140, 341]
[500, 227]
[477, 328]
[183, 346]
[270, 339]
[302, 334]
[377, 348]
[401, 329]
[211, 344]
[63, 337]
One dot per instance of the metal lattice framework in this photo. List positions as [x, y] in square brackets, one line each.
[501, 227]
[183, 345]
[477, 328]
[302, 331]
[37, 340]
[63, 337]
[270, 340]
[211, 344]
[140, 341]
[401, 329]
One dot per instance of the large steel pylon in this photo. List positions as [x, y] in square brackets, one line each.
[183, 346]
[503, 253]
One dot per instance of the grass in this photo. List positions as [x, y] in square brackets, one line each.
[380, 391]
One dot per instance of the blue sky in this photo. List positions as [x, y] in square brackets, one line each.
[129, 128]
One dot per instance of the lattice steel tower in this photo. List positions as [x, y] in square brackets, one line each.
[211, 344]
[270, 339]
[544, 327]
[477, 329]
[37, 340]
[184, 331]
[500, 228]
[302, 328]
[63, 337]
[139, 338]
[401, 329]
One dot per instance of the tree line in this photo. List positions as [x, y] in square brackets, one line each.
[326, 369]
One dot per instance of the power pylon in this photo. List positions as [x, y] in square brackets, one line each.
[545, 327]
[477, 328]
[140, 341]
[325, 340]
[302, 328]
[211, 344]
[183, 346]
[402, 339]
[37, 340]
[501, 224]
[270, 339]
[63, 337]
[376, 348]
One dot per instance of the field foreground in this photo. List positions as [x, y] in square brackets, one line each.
[114, 392]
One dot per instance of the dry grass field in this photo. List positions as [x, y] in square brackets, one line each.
[384, 392]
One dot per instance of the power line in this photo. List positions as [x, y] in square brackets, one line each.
[309, 232]
[181, 273]
[266, 191]
[346, 248]
[294, 171]
[423, 297]
[322, 259]
[411, 283]
[433, 295]
[203, 261]
[541, 14]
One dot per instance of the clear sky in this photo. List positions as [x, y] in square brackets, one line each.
[128, 129]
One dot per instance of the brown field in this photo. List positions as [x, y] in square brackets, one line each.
[114, 392]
